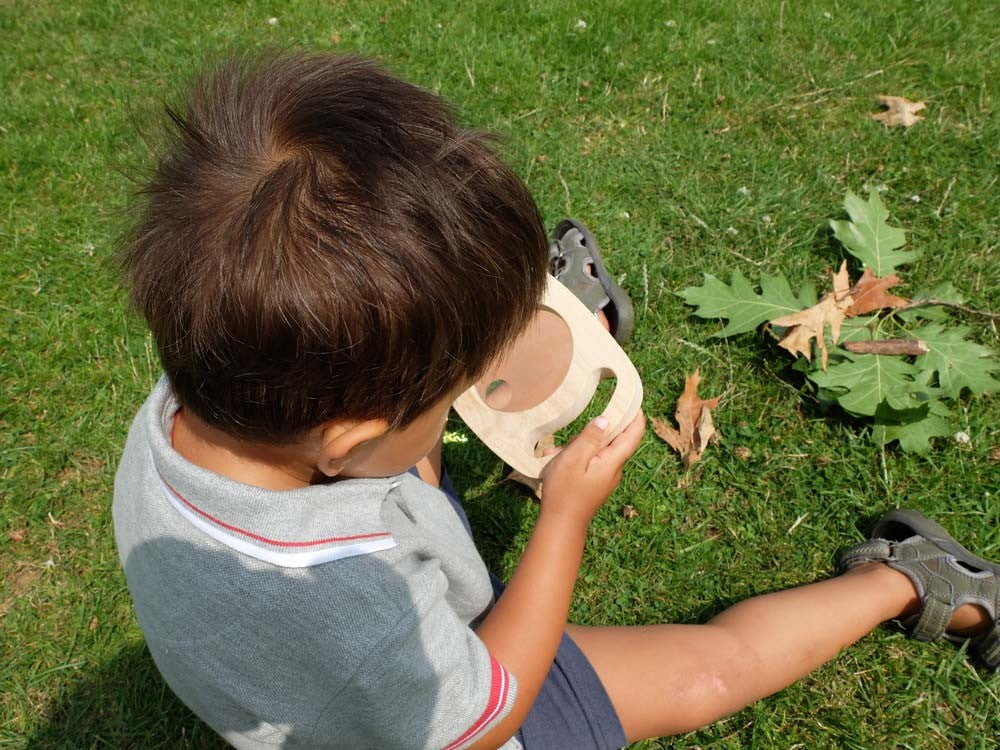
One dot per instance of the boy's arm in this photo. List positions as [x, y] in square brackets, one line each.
[524, 628]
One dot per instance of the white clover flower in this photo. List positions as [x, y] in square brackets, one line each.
[671, 24]
[914, 198]
[581, 24]
[732, 230]
[827, 15]
[272, 21]
[962, 437]
[766, 218]
[744, 191]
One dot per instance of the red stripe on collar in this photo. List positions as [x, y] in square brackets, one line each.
[264, 539]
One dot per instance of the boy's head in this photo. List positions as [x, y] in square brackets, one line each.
[321, 241]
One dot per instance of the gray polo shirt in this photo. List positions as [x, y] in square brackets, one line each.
[334, 616]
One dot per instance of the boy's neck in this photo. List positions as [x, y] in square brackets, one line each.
[270, 467]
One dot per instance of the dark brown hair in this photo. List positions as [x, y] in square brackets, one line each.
[320, 240]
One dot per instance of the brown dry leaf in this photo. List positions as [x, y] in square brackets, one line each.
[24, 579]
[869, 294]
[94, 623]
[705, 434]
[694, 418]
[17, 535]
[808, 324]
[669, 435]
[899, 111]
[629, 512]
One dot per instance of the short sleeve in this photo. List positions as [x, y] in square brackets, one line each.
[439, 682]
[429, 683]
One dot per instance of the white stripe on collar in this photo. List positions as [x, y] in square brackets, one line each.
[283, 559]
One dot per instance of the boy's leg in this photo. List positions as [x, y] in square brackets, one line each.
[669, 679]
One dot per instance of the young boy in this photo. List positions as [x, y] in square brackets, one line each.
[326, 260]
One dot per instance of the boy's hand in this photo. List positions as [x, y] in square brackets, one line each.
[584, 473]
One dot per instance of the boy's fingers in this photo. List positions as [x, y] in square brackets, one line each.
[623, 446]
[591, 439]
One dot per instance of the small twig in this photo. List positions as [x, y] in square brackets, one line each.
[946, 194]
[888, 346]
[945, 303]
[795, 525]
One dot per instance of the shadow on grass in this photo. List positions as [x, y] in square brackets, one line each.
[124, 705]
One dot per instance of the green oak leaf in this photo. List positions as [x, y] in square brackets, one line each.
[742, 305]
[869, 238]
[859, 329]
[913, 428]
[860, 382]
[958, 363]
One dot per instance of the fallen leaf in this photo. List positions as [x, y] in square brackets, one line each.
[669, 435]
[869, 294]
[899, 347]
[629, 512]
[17, 535]
[705, 434]
[24, 579]
[94, 623]
[335, 37]
[810, 323]
[899, 111]
[995, 453]
[694, 418]
[742, 453]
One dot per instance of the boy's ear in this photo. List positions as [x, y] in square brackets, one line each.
[340, 441]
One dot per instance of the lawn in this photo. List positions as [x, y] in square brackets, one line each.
[692, 138]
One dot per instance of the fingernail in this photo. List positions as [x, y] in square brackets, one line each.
[602, 423]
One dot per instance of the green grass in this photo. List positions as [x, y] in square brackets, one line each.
[648, 124]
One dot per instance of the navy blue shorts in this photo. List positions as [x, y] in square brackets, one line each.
[572, 710]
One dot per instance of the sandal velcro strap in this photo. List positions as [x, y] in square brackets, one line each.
[987, 646]
[936, 613]
[874, 550]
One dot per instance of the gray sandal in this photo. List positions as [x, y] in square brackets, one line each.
[945, 574]
[574, 248]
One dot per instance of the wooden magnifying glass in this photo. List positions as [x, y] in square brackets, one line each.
[545, 381]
